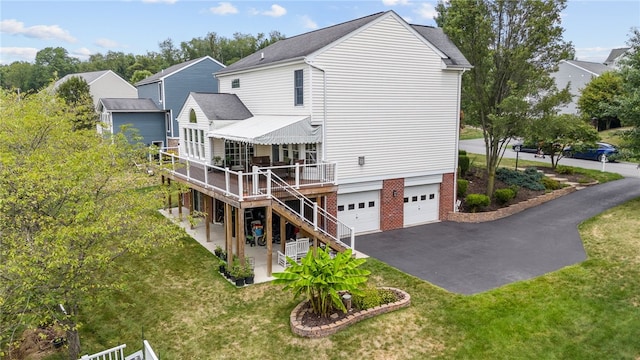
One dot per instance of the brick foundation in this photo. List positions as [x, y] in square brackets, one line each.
[392, 207]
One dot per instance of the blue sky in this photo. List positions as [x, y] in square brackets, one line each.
[138, 26]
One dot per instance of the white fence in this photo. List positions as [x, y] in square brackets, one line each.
[116, 353]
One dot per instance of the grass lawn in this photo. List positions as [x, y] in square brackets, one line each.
[470, 132]
[585, 311]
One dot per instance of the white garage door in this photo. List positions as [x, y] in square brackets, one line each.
[421, 204]
[360, 210]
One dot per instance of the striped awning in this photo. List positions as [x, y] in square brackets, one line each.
[270, 130]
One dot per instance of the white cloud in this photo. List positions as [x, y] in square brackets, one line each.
[224, 8]
[276, 11]
[11, 54]
[308, 23]
[106, 43]
[82, 53]
[15, 27]
[426, 11]
[396, 2]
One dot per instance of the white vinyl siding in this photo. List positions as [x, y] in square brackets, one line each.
[389, 100]
[269, 91]
[196, 145]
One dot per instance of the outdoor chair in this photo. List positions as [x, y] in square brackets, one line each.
[291, 250]
[302, 247]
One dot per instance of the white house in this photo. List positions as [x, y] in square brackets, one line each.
[374, 99]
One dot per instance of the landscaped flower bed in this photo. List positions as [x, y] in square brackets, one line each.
[298, 327]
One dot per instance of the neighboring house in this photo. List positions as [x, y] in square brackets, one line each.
[577, 74]
[141, 114]
[103, 84]
[360, 119]
[169, 88]
[613, 60]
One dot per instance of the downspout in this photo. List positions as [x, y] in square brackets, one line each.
[324, 106]
[455, 169]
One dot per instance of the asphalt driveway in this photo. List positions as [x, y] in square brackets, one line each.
[472, 258]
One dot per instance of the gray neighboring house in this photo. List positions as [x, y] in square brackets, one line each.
[577, 74]
[169, 89]
[613, 60]
[103, 84]
[142, 114]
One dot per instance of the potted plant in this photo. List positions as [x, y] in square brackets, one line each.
[217, 160]
[218, 251]
[237, 273]
[249, 274]
[222, 266]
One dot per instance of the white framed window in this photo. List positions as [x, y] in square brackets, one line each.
[310, 153]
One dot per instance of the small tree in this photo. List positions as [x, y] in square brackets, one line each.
[319, 278]
[75, 93]
[556, 132]
[599, 98]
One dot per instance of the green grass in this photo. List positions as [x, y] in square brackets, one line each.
[585, 311]
[469, 133]
[613, 136]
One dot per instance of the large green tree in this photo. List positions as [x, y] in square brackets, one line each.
[629, 101]
[513, 47]
[69, 209]
[76, 94]
[598, 99]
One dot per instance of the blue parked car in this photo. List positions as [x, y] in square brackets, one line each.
[603, 149]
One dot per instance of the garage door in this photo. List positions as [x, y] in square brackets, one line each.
[421, 204]
[360, 210]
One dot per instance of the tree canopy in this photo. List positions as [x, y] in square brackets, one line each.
[76, 94]
[513, 47]
[629, 101]
[70, 207]
[599, 97]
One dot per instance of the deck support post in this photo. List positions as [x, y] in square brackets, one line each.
[269, 235]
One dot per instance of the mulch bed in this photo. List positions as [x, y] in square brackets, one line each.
[478, 185]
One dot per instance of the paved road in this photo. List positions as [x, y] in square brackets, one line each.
[625, 169]
[472, 258]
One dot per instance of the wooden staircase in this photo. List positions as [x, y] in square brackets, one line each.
[302, 223]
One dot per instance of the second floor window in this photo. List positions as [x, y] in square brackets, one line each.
[298, 87]
[235, 83]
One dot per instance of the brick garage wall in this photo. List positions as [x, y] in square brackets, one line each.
[447, 195]
[392, 208]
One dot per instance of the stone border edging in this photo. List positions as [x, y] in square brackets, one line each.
[509, 210]
[325, 330]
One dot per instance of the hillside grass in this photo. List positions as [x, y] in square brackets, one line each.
[187, 310]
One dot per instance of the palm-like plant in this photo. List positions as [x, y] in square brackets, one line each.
[320, 279]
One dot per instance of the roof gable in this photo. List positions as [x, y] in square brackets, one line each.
[171, 70]
[88, 77]
[217, 106]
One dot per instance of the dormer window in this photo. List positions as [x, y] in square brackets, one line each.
[235, 83]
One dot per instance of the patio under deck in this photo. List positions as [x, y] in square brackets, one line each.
[217, 238]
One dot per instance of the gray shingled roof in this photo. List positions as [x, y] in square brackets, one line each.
[125, 104]
[221, 106]
[89, 77]
[168, 71]
[297, 47]
[440, 40]
[593, 67]
[614, 54]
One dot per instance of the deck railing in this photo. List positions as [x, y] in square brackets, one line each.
[250, 185]
[116, 353]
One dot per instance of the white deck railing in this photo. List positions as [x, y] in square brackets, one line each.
[245, 185]
[116, 353]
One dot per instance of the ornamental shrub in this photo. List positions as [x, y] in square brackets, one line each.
[463, 164]
[477, 201]
[320, 278]
[504, 195]
[565, 170]
[387, 296]
[462, 152]
[550, 184]
[462, 187]
[530, 178]
[368, 298]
